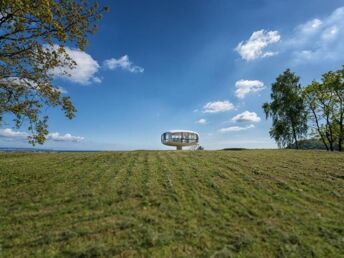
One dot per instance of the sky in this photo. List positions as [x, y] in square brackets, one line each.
[199, 65]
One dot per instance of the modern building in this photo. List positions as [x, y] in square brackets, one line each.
[180, 138]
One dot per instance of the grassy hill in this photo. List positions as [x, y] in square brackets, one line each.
[264, 203]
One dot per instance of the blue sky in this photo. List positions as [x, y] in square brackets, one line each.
[198, 65]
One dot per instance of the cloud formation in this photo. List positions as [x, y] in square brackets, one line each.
[315, 41]
[12, 134]
[86, 68]
[61, 90]
[201, 121]
[235, 128]
[84, 71]
[255, 46]
[123, 63]
[318, 39]
[64, 138]
[217, 106]
[247, 116]
[244, 87]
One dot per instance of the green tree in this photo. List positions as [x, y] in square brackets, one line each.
[325, 101]
[312, 96]
[337, 84]
[33, 36]
[287, 110]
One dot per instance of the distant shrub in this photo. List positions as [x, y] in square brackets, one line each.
[234, 149]
[310, 144]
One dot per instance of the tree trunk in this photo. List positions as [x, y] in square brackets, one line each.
[295, 138]
[339, 94]
[318, 129]
[329, 132]
[341, 129]
[331, 137]
[329, 140]
[340, 141]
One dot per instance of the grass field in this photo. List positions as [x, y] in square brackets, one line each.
[254, 203]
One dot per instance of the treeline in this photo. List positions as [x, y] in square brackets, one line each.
[314, 113]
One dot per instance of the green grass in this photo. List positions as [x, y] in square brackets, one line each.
[264, 203]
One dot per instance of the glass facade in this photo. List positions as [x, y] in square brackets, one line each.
[179, 137]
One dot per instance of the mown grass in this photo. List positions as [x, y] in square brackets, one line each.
[273, 203]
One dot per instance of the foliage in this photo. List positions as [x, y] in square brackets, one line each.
[254, 203]
[311, 144]
[234, 149]
[33, 36]
[325, 102]
[287, 110]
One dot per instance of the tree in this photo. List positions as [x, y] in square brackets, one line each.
[33, 37]
[337, 84]
[287, 110]
[325, 101]
[311, 96]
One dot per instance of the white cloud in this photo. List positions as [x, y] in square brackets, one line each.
[310, 26]
[201, 121]
[85, 70]
[318, 40]
[244, 87]
[217, 106]
[64, 138]
[330, 33]
[235, 128]
[255, 46]
[123, 63]
[10, 133]
[61, 90]
[96, 79]
[246, 116]
[29, 83]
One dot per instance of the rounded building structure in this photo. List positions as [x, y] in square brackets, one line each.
[180, 138]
